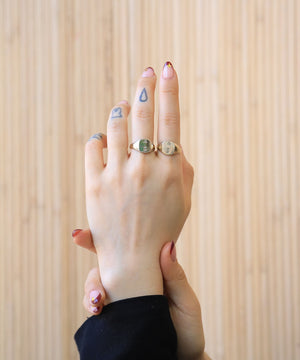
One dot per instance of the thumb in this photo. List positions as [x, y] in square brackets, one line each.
[84, 239]
[176, 285]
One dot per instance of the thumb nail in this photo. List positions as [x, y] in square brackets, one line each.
[75, 232]
[173, 251]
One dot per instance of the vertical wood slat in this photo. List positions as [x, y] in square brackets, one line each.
[63, 65]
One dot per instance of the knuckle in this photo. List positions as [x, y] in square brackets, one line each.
[114, 125]
[143, 113]
[180, 274]
[169, 90]
[170, 119]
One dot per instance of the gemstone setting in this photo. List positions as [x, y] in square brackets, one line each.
[145, 145]
[168, 147]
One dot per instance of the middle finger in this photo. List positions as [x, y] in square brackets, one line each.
[143, 107]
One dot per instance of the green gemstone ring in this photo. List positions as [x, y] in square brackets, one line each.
[143, 146]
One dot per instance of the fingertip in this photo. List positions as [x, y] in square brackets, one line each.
[95, 310]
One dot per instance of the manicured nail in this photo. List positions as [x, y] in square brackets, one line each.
[96, 309]
[148, 72]
[173, 251]
[123, 102]
[95, 296]
[76, 232]
[168, 70]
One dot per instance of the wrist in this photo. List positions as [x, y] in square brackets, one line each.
[129, 277]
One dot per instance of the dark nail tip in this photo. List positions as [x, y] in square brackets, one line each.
[168, 63]
[76, 232]
[172, 247]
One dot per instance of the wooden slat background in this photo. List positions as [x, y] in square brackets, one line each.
[63, 65]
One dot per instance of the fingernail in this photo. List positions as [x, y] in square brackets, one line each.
[148, 72]
[76, 232]
[123, 102]
[95, 309]
[173, 251]
[168, 70]
[95, 296]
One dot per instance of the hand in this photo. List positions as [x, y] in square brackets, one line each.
[184, 306]
[137, 203]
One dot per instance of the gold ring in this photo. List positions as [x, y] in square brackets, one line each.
[143, 146]
[168, 148]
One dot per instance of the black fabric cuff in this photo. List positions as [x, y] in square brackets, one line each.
[134, 328]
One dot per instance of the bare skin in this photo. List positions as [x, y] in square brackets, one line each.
[185, 308]
[138, 203]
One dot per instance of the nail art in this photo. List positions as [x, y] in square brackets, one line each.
[76, 232]
[95, 310]
[168, 70]
[95, 296]
[148, 72]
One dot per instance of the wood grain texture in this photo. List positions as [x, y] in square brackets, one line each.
[63, 65]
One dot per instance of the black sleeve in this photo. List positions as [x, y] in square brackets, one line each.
[136, 328]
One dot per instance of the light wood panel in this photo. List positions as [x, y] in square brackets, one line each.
[63, 65]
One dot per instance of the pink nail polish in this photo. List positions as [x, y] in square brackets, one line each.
[173, 251]
[148, 72]
[123, 102]
[76, 232]
[168, 70]
[95, 296]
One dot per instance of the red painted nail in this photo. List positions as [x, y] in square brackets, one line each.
[76, 232]
[95, 310]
